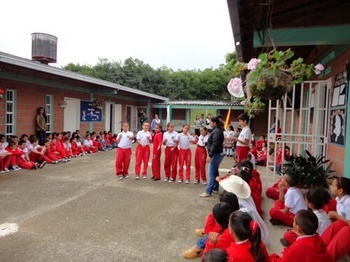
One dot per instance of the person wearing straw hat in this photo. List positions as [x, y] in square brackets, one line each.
[241, 189]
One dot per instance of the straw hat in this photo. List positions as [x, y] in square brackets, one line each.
[236, 185]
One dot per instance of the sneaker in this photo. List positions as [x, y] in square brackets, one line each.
[55, 162]
[215, 192]
[2, 171]
[13, 168]
[171, 180]
[180, 181]
[17, 167]
[196, 182]
[284, 242]
[126, 176]
[199, 232]
[42, 164]
[204, 183]
[144, 177]
[204, 195]
[166, 179]
[193, 252]
[137, 177]
[36, 165]
[6, 170]
[120, 177]
[187, 181]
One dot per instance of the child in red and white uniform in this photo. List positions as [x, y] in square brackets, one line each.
[143, 137]
[60, 147]
[12, 160]
[259, 144]
[97, 144]
[200, 157]
[288, 204]
[36, 152]
[171, 153]
[157, 151]
[68, 148]
[123, 154]
[340, 188]
[247, 245]
[315, 200]
[184, 140]
[308, 246]
[88, 144]
[243, 140]
[24, 161]
[280, 156]
[52, 156]
[3, 159]
[262, 157]
[75, 148]
[79, 145]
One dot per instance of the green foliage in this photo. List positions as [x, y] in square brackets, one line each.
[207, 84]
[309, 171]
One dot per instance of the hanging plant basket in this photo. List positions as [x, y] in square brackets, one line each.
[271, 87]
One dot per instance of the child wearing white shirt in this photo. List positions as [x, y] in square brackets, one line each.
[143, 138]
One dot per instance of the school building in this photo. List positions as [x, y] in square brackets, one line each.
[315, 115]
[72, 101]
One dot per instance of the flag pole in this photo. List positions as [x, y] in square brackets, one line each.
[227, 118]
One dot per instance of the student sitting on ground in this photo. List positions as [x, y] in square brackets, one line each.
[308, 246]
[247, 245]
[315, 200]
[288, 203]
[210, 226]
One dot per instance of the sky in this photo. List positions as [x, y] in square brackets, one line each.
[179, 34]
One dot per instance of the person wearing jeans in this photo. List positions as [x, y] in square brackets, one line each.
[215, 155]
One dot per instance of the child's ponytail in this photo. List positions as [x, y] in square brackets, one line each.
[255, 240]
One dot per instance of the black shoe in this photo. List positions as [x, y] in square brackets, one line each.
[152, 178]
[284, 242]
[42, 164]
[275, 222]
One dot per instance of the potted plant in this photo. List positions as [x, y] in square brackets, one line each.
[309, 171]
[271, 75]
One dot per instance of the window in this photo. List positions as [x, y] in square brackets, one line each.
[48, 111]
[10, 113]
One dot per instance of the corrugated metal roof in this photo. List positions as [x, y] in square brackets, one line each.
[27, 63]
[201, 103]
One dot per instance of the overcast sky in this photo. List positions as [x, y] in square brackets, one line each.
[180, 34]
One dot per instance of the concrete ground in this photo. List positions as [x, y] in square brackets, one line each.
[80, 211]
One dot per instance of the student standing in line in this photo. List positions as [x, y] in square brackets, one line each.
[157, 151]
[171, 153]
[200, 157]
[184, 140]
[123, 154]
[243, 140]
[143, 138]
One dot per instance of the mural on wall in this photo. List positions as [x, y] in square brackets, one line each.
[89, 112]
[338, 110]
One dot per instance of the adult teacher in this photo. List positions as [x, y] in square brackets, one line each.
[40, 125]
[215, 155]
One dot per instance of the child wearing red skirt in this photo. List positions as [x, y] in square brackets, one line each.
[171, 153]
[200, 157]
[157, 151]
[143, 138]
[122, 161]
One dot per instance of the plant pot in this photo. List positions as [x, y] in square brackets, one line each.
[272, 87]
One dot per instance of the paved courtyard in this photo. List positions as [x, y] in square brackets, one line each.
[80, 211]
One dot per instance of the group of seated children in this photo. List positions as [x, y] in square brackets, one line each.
[237, 235]
[26, 152]
[327, 219]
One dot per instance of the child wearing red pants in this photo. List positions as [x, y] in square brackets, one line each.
[288, 204]
[200, 157]
[24, 161]
[184, 140]
[243, 140]
[143, 138]
[157, 151]
[122, 161]
[171, 153]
